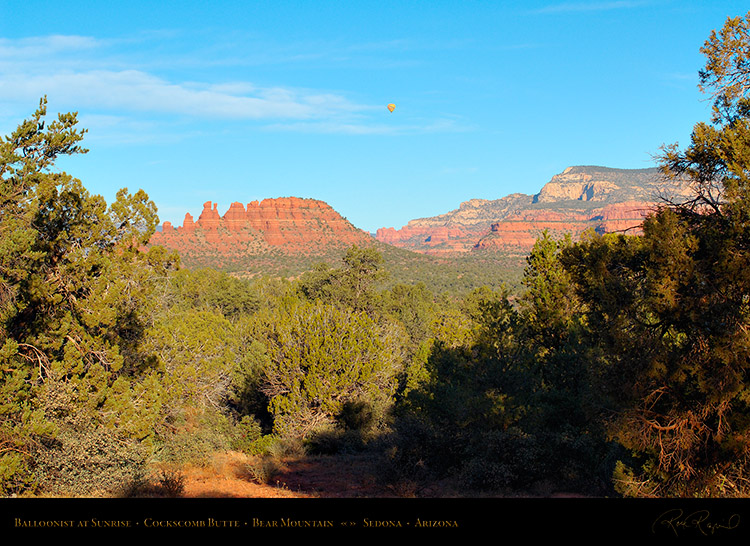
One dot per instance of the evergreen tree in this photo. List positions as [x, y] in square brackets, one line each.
[352, 286]
[321, 357]
[669, 310]
[74, 303]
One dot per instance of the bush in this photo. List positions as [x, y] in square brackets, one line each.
[196, 442]
[321, 358]
[504, 459]
[356, 415]
[277, 447]
[415, 452]
[89, 461]
[246, 435]
[172, 482]
[262, 446]
[282, 447]
[263, 470]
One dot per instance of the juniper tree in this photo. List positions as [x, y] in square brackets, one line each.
[74, 300]
[670, 311]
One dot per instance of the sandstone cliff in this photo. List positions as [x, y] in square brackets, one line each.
[573, 201]
[288, 225]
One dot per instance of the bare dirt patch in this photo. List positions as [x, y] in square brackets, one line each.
[230, 476]
[334, 477]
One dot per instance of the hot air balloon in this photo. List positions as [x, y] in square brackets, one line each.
[391, 107]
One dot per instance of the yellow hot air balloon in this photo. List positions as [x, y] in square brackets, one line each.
[391, 107]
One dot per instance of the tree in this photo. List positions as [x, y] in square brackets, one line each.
[563, 410]
[461, 418]
[670, 311]
[726, 75]
[549, 304]
[74, 304]
[322, 357]
[352, 285]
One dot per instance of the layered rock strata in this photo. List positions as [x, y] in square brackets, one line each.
[580, 198]
[290, 225]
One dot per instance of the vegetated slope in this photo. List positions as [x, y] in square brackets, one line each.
[453, 273]
[579, 198]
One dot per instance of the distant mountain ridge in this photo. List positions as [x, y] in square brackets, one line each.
[580, 198]
[287, 235]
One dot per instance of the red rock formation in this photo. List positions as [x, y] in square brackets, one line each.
[520, 231]
[236, 217]
[578, 199]
[187, 223]
[289, 225]
[209, 218]
[432, 239]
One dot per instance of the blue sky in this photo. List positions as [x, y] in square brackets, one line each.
[238, 101]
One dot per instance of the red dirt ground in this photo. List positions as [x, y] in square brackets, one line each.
[229, 476]
[353, 476]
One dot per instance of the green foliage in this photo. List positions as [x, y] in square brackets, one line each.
[322, 357]
[247, 432]
[414, 307]
[213, 291]
[507, 459]
[56, 243]
[668, 316]
[195, 438]
[75, 302]
[351, 286]
[727, 69]
[196, 356]
[549, 303]
[88, 460]
[469, 392]
[565, 406]
[668, 312]
[508, 400]
[455, 275]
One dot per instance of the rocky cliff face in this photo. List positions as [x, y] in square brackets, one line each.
[288, 225]
[573, 201]
[455, 231]
[519, 232]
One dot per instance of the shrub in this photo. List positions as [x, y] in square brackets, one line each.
[172, 482]
[263, 470]
[89, 461]
[322, 357]
[503, 459]
[246, 435]
[197, 441]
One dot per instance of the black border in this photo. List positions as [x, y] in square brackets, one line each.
[601, 519]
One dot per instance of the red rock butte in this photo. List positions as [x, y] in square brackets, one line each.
[288, 224]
